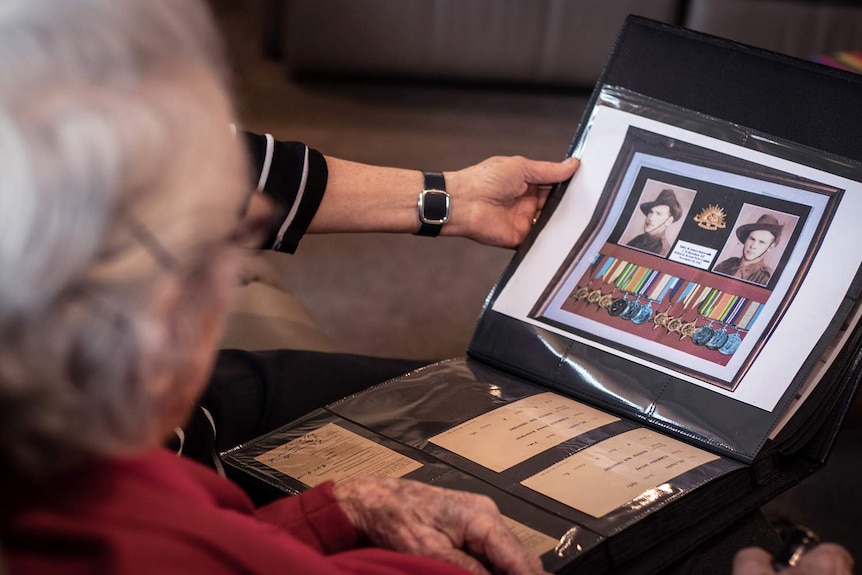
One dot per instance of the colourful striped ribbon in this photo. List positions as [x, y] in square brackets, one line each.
[651, 278]
[625, 275]
[735, 311]
[749, 315]
[636, 279]
[608, 264]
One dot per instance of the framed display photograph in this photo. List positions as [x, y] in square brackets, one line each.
[672, 273]
[686, 252]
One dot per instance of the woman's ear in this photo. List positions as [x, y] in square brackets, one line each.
[190, 339]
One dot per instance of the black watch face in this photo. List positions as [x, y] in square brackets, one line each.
[435, 207]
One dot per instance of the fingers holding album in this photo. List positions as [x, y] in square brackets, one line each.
[495, 201]
[825, 559]
[454, 526]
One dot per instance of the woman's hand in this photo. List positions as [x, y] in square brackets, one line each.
[495, 201]
[452, 526]
[825, 559]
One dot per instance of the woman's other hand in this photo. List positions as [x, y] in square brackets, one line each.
[825, 559]
[452, 526]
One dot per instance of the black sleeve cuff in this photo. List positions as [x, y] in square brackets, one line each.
[296, 180]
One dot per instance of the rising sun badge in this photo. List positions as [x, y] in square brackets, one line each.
[711, 218]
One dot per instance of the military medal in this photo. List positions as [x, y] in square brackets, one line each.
[702, 335]
[642, 311]
[623, 279]
[688, 296]
[718, 339]
[631, 309]
[674, 324]
[608, 274]
[581, 293]
[667, 286]
[731, 345]
[687, 330]
[728, 344]
[660, 319]
[606, 300]
[594, 296]
[618, 306]
[644, 314]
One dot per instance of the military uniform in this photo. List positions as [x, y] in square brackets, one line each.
[755, 272]
[656, 244]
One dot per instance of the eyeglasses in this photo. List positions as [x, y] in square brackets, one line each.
[256, 221]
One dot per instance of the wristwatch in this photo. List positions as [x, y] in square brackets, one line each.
[433, 205]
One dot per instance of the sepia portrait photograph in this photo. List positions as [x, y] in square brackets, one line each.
[654, 226]
[754, 249]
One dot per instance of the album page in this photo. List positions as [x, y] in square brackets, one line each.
[581, 462]
[716, 264]
[332, 453]
[618, 470]
[525, 427]
[325, 447]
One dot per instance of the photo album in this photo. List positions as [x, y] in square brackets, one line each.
[676, 342]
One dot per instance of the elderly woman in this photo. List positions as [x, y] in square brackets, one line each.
[123, 201]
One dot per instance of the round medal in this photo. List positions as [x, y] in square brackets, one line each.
[618, 306]
[687, 330]
[718, 339]
[632, 308]
[731, 345]
[702, 335]
[643, 315]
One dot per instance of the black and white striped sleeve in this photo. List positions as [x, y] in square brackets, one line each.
[293, 175]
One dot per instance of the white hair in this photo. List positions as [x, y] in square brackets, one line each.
[103, 103]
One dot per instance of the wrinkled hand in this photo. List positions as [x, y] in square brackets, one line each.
[825, 559]
[495, 201]
[430, 521]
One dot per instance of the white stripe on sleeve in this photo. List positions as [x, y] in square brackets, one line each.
[295, 207]
[267, 162]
